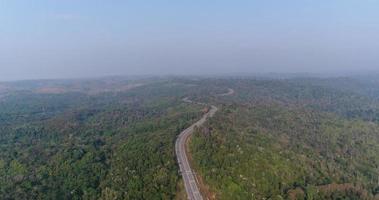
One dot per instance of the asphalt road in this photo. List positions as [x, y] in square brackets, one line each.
[189, 177]
[230, 92]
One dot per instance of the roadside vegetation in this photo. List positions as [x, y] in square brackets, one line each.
[116, 145]
[114, 139]
[290, 139]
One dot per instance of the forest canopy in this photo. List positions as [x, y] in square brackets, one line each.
[296, 138]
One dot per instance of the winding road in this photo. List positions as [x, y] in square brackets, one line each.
[189, 177]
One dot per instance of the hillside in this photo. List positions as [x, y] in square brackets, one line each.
[291, 139]
[105, 146]
[114, 138]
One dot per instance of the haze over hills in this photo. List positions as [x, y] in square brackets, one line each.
[189, 100]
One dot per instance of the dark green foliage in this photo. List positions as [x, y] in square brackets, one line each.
[289, 140]
[79, 146]
[273, 139]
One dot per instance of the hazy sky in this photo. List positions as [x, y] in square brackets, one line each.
[80, 38]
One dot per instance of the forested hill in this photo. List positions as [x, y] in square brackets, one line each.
[80, 145]
[113, 138]
[292, 139]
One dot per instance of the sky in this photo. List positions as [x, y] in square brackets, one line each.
[91, 38]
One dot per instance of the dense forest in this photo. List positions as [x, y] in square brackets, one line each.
[75, 145]
[292, 139]
[113, 138]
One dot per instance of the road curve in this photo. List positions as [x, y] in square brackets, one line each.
[189, 177]
[230, 92]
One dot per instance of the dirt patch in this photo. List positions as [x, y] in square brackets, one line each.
[295, 194]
